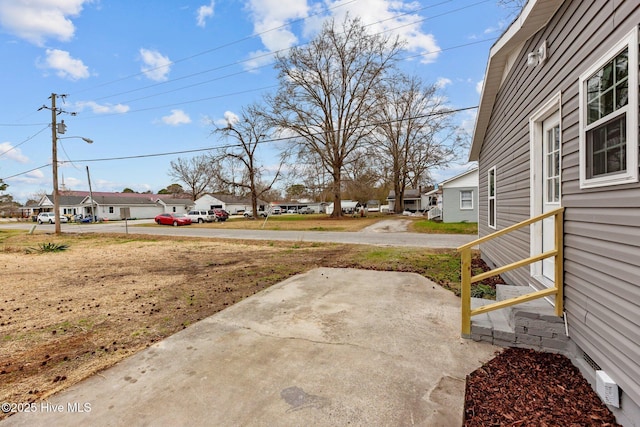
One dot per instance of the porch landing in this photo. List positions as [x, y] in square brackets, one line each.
[531, 325]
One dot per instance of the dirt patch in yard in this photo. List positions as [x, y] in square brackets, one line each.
[66, 315]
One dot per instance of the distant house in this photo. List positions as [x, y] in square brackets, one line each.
[432, 203]
[348, 207]
[30, 209]
[373, 205]
[460, 197]
[412, 200]
[71, 203]
[115, 206]
[230, 203]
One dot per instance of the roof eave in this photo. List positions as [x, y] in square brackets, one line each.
[534, 16]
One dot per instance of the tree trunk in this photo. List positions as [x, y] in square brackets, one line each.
[337, 196]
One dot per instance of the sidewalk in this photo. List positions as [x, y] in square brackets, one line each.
[331, 347]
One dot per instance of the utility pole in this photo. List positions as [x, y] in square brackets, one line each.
[54, 160]
[55, 129]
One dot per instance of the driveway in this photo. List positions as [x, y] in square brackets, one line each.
[331, 347]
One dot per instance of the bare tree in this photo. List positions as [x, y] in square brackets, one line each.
[414, 133]
[363, 177]
[196, 173]
[326, 92]
[249, 131]
[309, 170]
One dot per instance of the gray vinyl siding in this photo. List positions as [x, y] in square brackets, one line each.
[451, 211]
[602, 225]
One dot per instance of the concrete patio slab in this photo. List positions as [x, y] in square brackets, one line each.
[326, 348]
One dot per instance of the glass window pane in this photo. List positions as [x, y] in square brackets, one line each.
[597, 139]
[598, 164]
[622, 65]
[606, 77]
[593, 111]
[622, 96]
[607, 89]
[607, 148]
[492, 212]
[593, 88]
[606, 103]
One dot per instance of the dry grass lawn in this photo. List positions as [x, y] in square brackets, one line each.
[69, 314]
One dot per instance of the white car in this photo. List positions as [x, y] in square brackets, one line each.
[49, 217]
[249, 214]
[200, 216]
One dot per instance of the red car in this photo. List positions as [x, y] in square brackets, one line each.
[219, 215]
[174, 219]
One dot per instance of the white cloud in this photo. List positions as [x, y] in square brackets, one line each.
[156, 66]
[269, 19]
[73, 183]
[8, 151]
[102, 109]
[443, 82]
[204, 12]
[35, 177]
[392, 17]
[468, 122]
[229, 119]
[36, 21]
[479, 87]
[176, 118]
[498, 28]
[66, 67]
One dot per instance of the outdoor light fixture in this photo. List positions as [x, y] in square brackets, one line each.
[537, 57]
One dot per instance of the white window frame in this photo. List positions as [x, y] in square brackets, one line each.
[492, 220]
[461, 199]
[629, 42]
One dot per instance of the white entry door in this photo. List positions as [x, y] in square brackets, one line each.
[546, 157]
[550, 187]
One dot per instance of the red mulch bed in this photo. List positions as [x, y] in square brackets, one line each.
[522, 387]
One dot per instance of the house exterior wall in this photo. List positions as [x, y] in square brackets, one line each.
[602, 225]
[451, 211]
[207, 202]
[139, 212]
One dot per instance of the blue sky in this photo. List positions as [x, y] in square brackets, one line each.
[148, 77]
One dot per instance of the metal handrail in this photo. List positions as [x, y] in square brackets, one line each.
[467, 279]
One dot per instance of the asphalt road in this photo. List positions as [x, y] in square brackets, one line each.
[375, 236]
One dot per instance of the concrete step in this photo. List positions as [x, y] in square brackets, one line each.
[530, 325]
[536, 309]
[493, 325]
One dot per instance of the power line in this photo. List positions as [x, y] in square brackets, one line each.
[195, 55]
[273, 53]
[197, 150]
[22, 124]
[255, 89]
[259, 57]
[26, 172]
[26, 140]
